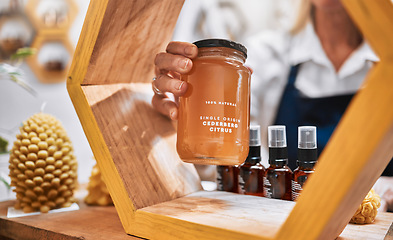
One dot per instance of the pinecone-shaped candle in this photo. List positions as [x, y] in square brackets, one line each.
[98, 193]
[43, 168]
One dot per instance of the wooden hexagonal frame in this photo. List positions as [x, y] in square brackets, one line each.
[19, 15]
[155, 194]
[31, 8]
[43, 75]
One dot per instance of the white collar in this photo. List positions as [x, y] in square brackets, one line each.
[306, 46]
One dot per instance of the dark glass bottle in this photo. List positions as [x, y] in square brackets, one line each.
[252, 173]
[228, 178]
[307, 158]
[278, 175]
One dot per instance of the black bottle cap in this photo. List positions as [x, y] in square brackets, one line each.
[278, 156]
[277, 140]
[254, 155]
[213, 42]
[307, 155]
[306, 164]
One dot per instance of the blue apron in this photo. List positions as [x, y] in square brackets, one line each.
[324, 113]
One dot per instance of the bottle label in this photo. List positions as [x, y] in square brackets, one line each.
[242, 182]
[296, 189]
[268, 188]
[220, 182]
[297, 186]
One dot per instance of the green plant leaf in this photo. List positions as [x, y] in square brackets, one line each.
[5, 182]
[23, 53]
[3, 145]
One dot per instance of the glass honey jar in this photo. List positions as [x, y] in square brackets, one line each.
[214, 113]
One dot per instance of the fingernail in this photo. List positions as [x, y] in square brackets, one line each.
[189, 50]
[184, 63]
[179, 85]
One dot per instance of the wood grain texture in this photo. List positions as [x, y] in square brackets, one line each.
[142, 144]
[101, 152]
[132, 33]
[86, 43]
[228, 216]
[93, 223]
[376, 230]
[90, 223]
[389, 234]
[80, 62]
[361, 146]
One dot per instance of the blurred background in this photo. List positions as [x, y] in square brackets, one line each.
[52, 27]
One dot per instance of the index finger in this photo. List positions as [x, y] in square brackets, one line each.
[182, 48]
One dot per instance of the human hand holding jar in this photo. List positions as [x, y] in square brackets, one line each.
[211, 87]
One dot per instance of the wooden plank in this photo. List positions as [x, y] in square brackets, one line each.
[86, 43]
[101, 152]
[90, 222]
[389, 234]
[374, 19]
[142, 144]
[132, 33]
[80, 62]
[376, 230]
[361, 146]
[224, 215]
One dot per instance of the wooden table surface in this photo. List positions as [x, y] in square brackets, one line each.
[91, 222]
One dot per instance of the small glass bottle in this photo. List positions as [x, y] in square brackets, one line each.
[252, 174]
[278, 175]
[214, 113]
[307, 157]
[228, 178]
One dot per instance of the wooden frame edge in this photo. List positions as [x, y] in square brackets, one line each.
[102, 154]
[75, 79]
[181, 229]
[84, 49]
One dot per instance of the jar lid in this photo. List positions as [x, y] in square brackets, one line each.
[221, 43]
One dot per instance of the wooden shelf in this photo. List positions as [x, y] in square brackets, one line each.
[86, 223]
[94, 223]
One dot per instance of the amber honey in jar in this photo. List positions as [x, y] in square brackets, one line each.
[214, 113]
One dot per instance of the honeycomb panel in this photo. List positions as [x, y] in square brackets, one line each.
[53, 19]
[52, 16]
[15, 32]
[52, 60]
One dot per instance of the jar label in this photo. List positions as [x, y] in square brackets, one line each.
[217, 123]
